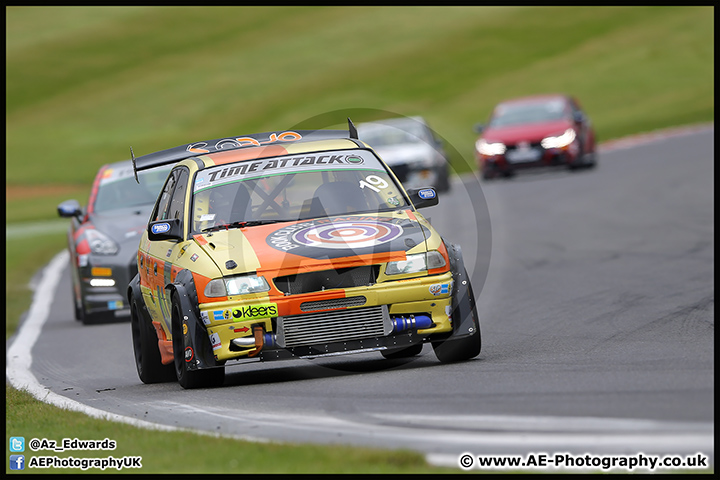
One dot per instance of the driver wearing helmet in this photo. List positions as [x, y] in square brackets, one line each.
[221, 203]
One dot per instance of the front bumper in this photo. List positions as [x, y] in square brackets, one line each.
[417, 175]
[108, 301]
[385, 315]
[538, 158]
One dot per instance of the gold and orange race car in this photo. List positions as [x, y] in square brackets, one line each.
[294, 244]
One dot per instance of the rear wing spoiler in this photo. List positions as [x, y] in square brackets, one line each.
[176, 154]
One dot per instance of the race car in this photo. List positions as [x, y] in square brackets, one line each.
[290, 244]
[103, 239]
[411, 149]
[535, 131]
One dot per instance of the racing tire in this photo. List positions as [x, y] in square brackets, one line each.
[443, 184]
[189, 379]
[408, 352]
[465, 348]
[78, 309]
[592, 162]
[488, 173]
[145, 346]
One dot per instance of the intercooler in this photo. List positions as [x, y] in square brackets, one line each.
[333, 326]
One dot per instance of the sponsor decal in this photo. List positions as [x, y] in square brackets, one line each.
[393, 201]
[116, 305]
[169, 252]
[111, 175]
[189, 354]
[194, 257]
[215, 341]
[185, 329]
[427, 193]
[160, 228]
[205, 318]
[182, 251]
[263, 310]
[220, 315]
[281, 165]
[440, 289]
[226, 143]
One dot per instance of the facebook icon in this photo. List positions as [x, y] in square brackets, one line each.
[17, 462]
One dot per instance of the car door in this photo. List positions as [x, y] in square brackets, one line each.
[157, 271]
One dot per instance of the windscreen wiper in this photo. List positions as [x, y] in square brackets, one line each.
[250, 223]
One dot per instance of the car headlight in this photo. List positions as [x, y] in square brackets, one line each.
[416, 263]
[238, 285]
[101, 244]
[490, 149]
[559, 141]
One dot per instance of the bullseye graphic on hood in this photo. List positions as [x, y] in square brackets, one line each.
[345, 236]
[348, 234]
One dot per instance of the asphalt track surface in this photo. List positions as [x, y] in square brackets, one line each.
[595, 291]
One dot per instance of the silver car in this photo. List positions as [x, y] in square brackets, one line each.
[411, 149]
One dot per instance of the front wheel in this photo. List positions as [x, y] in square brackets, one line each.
[188, 379]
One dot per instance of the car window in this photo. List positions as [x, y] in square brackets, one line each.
[532, 112]
[177, 203]
[161, 208]
[379, 135]
[383, 136]
[119, 189]
[294, 188]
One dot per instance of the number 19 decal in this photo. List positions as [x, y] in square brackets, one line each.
[373, 182]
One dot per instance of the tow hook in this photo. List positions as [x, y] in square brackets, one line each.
[259, 334]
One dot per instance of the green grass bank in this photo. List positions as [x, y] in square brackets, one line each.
[84, 84]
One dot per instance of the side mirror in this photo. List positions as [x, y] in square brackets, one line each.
[69, 209]
[479, 127]
[578, 117]
[423, 197]
[165, 230]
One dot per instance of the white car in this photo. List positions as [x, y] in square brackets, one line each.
[411, 149]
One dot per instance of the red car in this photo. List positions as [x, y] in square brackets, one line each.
[535, 131]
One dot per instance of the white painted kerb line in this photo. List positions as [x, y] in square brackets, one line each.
[19, 356]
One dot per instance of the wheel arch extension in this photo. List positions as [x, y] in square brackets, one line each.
[195, 336]
[463, 304]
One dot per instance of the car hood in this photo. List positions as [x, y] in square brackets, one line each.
[529, 132]
[125, 226]
[406, 153]
[320, 244]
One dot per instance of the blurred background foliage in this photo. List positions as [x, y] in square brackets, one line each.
[86, 83]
